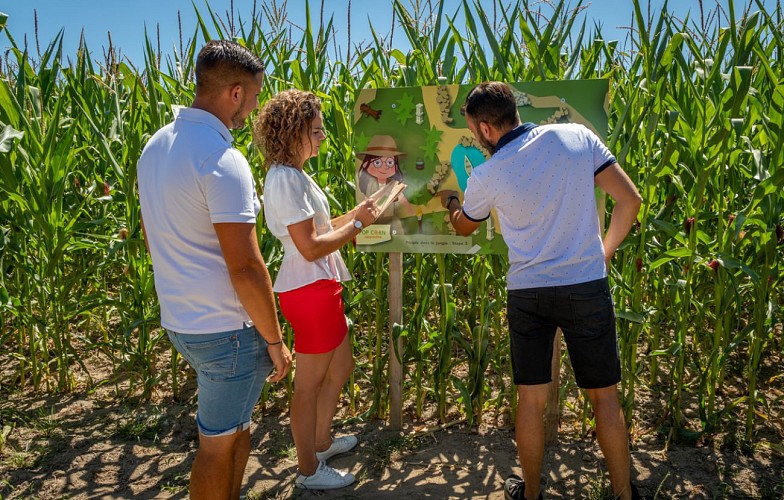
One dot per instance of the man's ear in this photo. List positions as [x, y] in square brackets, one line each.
[236, 93]
[486, 128]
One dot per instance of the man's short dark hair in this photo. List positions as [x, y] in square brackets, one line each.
[223, 63]
[492, 103]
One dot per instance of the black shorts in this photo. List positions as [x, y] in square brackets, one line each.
[585, 314]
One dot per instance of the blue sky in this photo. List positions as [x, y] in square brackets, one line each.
[126, 21]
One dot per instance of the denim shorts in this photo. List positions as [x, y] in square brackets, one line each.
[231, 368]
[585, 314]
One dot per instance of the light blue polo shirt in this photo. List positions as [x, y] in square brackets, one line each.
[540, 181]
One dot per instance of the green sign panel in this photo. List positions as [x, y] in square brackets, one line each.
[417, 136]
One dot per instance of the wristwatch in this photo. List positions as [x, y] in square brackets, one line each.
[358, 224]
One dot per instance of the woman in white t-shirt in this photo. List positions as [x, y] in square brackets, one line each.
[289, 131]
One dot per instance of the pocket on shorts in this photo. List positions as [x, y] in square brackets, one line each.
[524, 294]
[592, 312]
[522, 306]
[216, 359]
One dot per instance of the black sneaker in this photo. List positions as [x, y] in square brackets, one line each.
[514, 488]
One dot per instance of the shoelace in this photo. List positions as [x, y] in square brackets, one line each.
[330, 471]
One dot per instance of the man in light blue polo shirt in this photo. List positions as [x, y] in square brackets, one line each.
[199, 208]
[540, 181]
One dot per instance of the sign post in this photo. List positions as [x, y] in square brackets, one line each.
[552, 412]
[395, 344]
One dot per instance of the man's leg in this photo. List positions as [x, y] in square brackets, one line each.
[529, 434]
[589, 330]
[213, 470]
[241, 454]
[612, 438]
[531, 334]
[225, 402]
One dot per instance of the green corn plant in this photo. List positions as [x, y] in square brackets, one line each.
[695, 119]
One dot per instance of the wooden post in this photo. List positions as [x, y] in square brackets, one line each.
[395, 316]
[552, 413]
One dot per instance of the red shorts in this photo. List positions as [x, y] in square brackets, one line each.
[315, 312]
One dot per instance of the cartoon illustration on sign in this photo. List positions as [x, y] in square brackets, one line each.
[380, 164]
[416, 136]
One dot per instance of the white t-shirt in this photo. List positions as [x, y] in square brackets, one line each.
[541, 184]
[190, 178]
[291, 196]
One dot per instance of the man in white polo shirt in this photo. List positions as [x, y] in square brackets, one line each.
[540, 181]
[199, 208]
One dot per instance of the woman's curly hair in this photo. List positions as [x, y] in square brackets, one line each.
[279, 127]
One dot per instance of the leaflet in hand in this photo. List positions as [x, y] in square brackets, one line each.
[387, 194]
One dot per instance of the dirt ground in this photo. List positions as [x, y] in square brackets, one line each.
[92, 444]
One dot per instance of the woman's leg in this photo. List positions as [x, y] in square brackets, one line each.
[338, 372]
[311, 370]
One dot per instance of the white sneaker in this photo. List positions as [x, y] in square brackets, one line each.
[325, 478]
[338, 446]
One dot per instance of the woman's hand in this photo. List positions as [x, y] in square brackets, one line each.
[366, 212]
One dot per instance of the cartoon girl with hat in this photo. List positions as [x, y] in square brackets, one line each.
[380, 164]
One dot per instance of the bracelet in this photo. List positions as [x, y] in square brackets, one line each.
[449, 200]
[274, 343]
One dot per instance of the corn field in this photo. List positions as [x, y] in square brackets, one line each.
[696, 119]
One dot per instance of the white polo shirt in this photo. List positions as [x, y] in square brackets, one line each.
[540, 181]
[190, 177]
[292, 196]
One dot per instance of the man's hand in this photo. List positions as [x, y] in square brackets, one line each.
[608, 255]
[463, 225]
[446, 196]
[281, 358]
